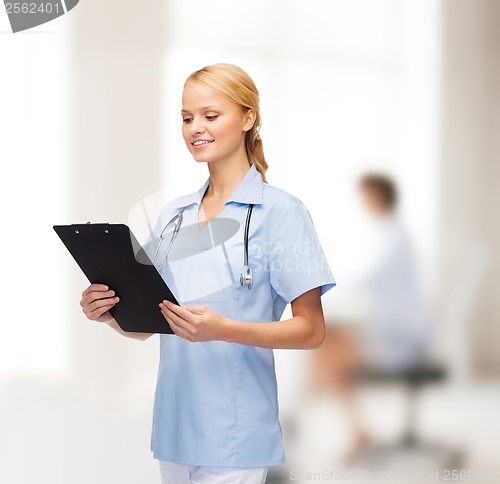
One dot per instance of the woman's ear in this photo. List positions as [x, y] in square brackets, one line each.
[249, 119]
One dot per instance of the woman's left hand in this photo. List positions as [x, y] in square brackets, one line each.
[194, 323]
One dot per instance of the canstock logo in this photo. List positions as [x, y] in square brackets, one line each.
[26, 15]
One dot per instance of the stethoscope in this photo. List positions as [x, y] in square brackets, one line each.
[245, 276]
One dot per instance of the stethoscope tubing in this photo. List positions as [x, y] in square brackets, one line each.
[246, 275]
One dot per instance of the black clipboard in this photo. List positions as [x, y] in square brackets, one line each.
[110, 254]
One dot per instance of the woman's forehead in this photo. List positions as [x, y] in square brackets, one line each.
[198, 96]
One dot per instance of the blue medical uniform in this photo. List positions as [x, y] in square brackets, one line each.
[216, 402]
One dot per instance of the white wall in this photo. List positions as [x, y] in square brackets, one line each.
[469, 196]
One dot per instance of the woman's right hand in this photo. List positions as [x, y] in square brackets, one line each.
[96, 302]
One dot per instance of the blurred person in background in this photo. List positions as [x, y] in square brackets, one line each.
[394, 330]
[385, 328]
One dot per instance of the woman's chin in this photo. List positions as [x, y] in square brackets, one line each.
[200, 159]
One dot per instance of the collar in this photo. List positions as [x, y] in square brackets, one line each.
[249, 191]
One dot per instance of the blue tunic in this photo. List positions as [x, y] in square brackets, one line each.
[216, 402]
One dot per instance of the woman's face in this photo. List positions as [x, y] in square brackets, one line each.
[213, 127]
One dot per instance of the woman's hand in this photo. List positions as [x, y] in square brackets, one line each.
[306, 329]
[96, 302]
[194, 323]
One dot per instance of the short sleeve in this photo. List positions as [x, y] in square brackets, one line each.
[297, 262]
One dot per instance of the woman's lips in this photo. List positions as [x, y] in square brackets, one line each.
[201, 143]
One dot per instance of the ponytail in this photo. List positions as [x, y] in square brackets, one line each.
[255, 152]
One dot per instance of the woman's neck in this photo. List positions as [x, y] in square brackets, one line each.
[225, 176]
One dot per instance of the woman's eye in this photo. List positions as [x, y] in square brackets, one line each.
[187, 120]
[212, 117]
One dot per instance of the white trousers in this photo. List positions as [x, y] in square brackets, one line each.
[172, 473]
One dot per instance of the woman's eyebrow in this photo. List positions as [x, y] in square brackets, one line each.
[205, 108]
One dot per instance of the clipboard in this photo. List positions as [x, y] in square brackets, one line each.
[110, 254]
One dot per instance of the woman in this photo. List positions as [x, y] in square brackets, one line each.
[216, 410]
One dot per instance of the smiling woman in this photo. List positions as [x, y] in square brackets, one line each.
[230, 90]
[212, 132]
[216, 408]
[212, 129]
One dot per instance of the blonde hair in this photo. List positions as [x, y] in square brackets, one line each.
[235, 84]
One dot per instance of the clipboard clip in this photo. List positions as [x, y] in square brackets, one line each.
[106, 231]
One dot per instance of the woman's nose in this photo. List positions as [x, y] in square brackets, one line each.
[197, 126]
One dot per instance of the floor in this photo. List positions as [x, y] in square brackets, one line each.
[51, 431]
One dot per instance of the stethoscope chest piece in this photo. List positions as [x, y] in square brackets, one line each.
[246, 277]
